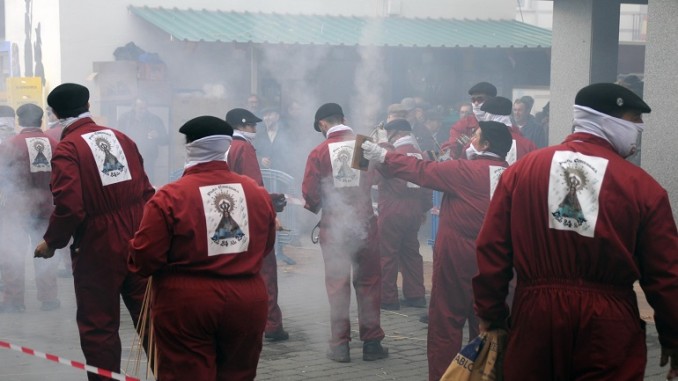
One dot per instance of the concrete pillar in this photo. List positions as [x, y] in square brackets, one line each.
[584, 51]
[661, 81]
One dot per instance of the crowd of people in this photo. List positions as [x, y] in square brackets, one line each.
[543, 241]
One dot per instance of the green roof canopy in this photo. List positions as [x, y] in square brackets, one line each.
[270, 28]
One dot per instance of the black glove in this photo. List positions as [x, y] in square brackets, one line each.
[279, 201]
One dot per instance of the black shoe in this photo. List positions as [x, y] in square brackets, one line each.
[414, 302]
[424, 318]
[13, 308]
[50, 305]
[279, 335]
[390, 306]
[339, 354]
[286, 259]
[372, 350]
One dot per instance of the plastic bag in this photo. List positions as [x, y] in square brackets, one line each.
[479, 360]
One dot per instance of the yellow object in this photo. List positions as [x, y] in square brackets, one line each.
[480, 360]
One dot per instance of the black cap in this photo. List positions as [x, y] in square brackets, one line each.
[240, 116]
[68, 100]
[30, 115]
[399, 125]
[498, 135]
[6, 112]
[203, 126]
[497, 106]
[325, 111]
[609, 99]
[483, 88]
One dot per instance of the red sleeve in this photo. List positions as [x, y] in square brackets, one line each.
[657, 253]
[462, 128]
[243, 161]
[495, 255]
[425, 173]
[151, 243]
[69, 211]
[310, 187]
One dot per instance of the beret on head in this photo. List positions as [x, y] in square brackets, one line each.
[204, 126]
[398, 125]
[497, 106]
[68, 100]
[483, 88]
[30, 115]
[325, 111]
[240, 116]
[609, 99]
[498, 135]
[6, 112]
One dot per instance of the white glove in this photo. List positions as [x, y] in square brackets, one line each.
[372, 151]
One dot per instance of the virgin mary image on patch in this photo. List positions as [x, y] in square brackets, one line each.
[40, 159]
[228, 227]
[570, 206]
[111, 162]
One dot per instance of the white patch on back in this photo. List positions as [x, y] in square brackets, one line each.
[39, 154]
[418, 156]
[512, 154]
[341, 156]
[226, 219]
[495, 174]
[574, 189]
[109, 157]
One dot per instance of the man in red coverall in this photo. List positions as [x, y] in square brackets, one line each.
[242, 159]
[580, 225]
[348, 231]
[203, 238]
[468, 186]
[402, 208]
[462, 131]
[25, 169]
[99, 188]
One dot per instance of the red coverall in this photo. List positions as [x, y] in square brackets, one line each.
[466, 185]
[209, 304]
[580, 225]
[242, 159]
[25, 173]
[101, 219]
[401, 213]
[460, 136]
[348, 231]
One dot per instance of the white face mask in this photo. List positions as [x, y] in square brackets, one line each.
[472, 152]
[480, 115]
[623, 135]
[249, 135]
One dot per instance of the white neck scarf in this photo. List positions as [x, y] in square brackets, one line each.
[622, 134]
[209, 148]
[70, 120]
[405, 140]
[505, 119]
[248, 136]
[337, 128]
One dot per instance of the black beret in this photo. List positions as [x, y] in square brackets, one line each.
[497, 106]
[609, 98]
[498, 135]
[399, 125]
[240, 117]
[68, 100]
[6, 112]
[29, 115]
[204, 126]
[326, 110]
[483, 88]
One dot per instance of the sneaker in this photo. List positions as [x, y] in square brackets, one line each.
[279, 335]
[414, 302]
[50, 305]
[372, 350]
[424, 318]
[390, 306]
[286, 259]
[339, 353]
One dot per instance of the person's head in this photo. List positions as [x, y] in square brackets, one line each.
[243, 120]
[140, 106]
[29, 115]
[328, 116]
[492, 137]
[433, 121]
[410, 105]
[623, 105]
[420, 107]
[7, 121]
[253, 102]
[464, 110]
[206, 126]
[521, 110]
[68, 100]
[396, 111]
[396, 129]
[496, 109]
[480, 92]
[271, 116]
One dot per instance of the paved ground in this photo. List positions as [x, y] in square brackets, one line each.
[305, 310]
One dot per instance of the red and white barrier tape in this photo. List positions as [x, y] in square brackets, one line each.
[73, 364]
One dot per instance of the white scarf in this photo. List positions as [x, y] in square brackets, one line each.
[405, 140]
[72, 119]
[489, 117]
[248, 136]
[622, 134]
[339, 127]
[209, 148]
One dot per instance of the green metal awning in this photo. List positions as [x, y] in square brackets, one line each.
[270, 28]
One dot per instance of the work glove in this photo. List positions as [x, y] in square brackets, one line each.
[279, 201]
[672, 355]
[372, 151]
